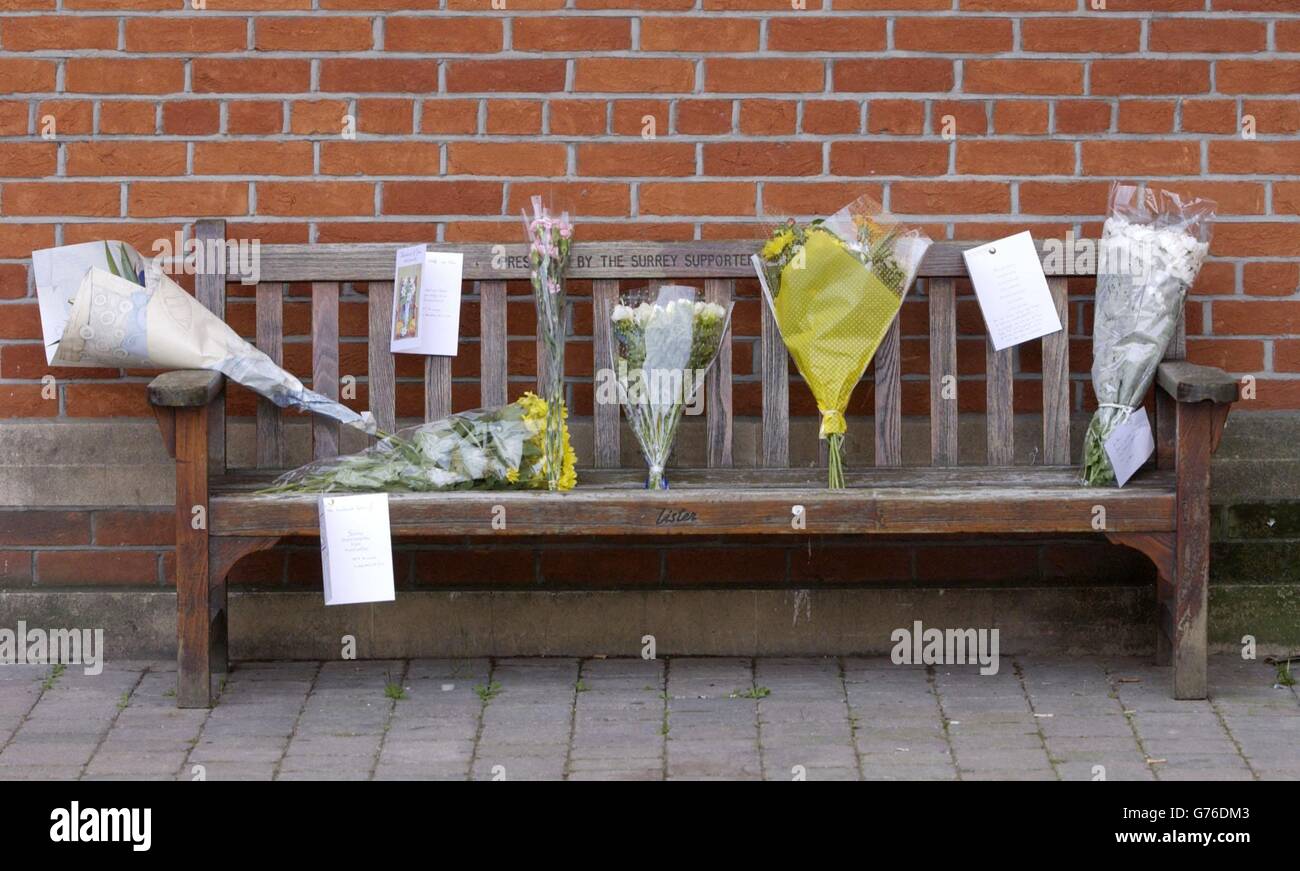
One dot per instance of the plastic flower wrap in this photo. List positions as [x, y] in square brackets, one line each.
[666, 342]
[488, 449]
[108, 306]
[1152, 246]
[549, 241]
[834, 287]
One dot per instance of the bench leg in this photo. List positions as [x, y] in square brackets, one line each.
[219, 643]
[1190, 595]
[193, 621]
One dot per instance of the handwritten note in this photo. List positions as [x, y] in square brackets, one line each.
[1130, 445]
[1012, 290]
[426, 302]
[356, 549]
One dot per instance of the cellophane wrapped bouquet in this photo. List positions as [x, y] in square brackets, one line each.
[549, 241]
[834, 287]
[666, 340]
[1152, 246]
[486, 449]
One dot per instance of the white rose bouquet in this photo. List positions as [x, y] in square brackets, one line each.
[664, 350]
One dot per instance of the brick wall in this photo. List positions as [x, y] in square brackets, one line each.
[653, 119]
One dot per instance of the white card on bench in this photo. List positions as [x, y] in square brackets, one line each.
[426, 302]
[1130, 445]
[356, 548]
[1012, 290]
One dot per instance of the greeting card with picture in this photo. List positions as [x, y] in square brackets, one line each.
[426, 301]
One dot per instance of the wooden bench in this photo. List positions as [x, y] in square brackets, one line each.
[1163, 512]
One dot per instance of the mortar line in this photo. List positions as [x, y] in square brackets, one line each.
[388, 721]
[758, 718]
[482, 715]
[1019, 672]
[28, 713]
[573, 724]
[851, 717]
[198, 736]
[1236, 745]
[933, 681]
[663, 723]
[112, 722]
[1131, 719]
[311, 688]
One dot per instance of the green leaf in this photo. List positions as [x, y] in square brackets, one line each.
[112, 267]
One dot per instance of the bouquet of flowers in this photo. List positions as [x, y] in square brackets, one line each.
[101, 307]
[549, 241]
[834, 287]
[487, 449]
[665, 348]
[1152, 246]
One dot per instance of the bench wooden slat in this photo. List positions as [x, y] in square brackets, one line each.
[998, 398]
[210, 291]
[381, 383]
[717, 389]
[437, 387]
[889, 400]
[776, 393]
[492, 343]
[325, 364]
[604, 295]
[1056, 380]
[270, 341]
[943, 365]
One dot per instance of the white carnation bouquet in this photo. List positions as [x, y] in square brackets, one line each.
[666, 342]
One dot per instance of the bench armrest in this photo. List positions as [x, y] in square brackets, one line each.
[1188, 382]
[186, 388]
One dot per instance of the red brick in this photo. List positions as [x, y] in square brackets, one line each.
[1082, 35]
[1248, 157]
[254, 117]
[265, 158]
[149, 199]
[191, 118]
[1271, 279]
[628, 75]
[1146, 116]
[61, 198]
[385, 115]
[63, 32]
[127, 117]
[972, 35]
[832, 116]
[456, 35]
[25, 400]
[1022, 77]
[1258, 77]
[1209, 116]
[124, 76]
[449, 116]
[93, 568]
[106, 400]
[836, 562]
[587, 567]
[895, 116]
[1157, 157]
[317, 116]
[1150, 77]
[1256, 317]
[762, 158]
[704, 117]
[948, 198]
[22, 76]
[1207, 35]
[650, 158]
[442, 197]
[13, 115]
[1023, 117]
[238, 75]
[631, 118]
[697, 198]
[194, 34]
[976, 157]
[1272, 116]
[710, 35]
[1286, 355]
[576, 34]
[506, 158]
[1083, 116]
[134, 528]
[472, 567]
[962, 118]
[21, 239]
[341, 198]
[577, 117]
[379, 158]
[514, 117]
[1287, 35]
[15, 568]
[27, 527]
[804, 34]
[118, 158]
[29, 159]
[977, 562]
[1232, 355]
[351, 75]
[504, 75]
[578, 198]
[1286, 197]
[314, 34]
[767, 117]
[886, 158]
[893, 74]
[13, 285]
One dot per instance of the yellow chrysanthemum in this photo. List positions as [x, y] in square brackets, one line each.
[778, 243]
[512, 475]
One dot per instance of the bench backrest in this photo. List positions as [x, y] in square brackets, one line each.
[615, 265]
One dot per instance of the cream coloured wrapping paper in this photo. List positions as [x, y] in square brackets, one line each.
[116, 322]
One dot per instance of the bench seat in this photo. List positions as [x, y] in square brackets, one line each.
[1041, 499]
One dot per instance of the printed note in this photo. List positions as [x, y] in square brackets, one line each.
[1012, 290]
[356, 549]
